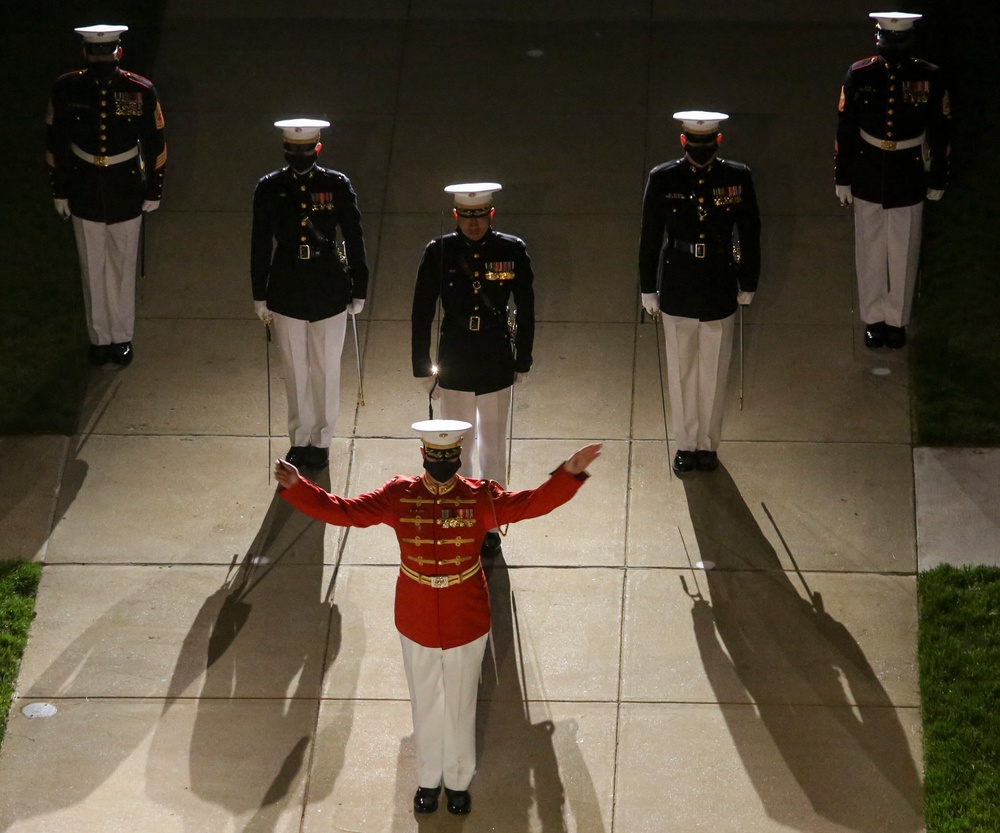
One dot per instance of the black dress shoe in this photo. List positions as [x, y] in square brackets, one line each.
[121, 354]
[706, 460]
[316, 458]
[874, 335]
[491, 545]
[426, 799]
[100, 354]
[297, 455]
[895, 337]
[684, 461]
[459, 801]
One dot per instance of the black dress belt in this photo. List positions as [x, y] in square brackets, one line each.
[696, 249]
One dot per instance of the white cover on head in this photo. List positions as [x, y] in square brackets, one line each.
[473, 194]
[895, 21]
[100, 32]
[301, 131]
[441, 433]
[700, 121]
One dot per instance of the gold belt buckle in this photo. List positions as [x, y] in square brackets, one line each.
[102, 161]
[439, 581]
[474, 323]
[699, 249]
[304, 253]
[888, 144]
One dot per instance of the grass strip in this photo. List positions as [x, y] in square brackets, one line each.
[959, 650]
[18, 586]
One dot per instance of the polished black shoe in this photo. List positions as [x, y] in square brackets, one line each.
[491, 545]
[100, 354]
[874, 335]
[298, 455]
[316, 458]
[706, 460]
[459, 801]
[684, 462]
[121, 354]
[426, 799]
[895, 337]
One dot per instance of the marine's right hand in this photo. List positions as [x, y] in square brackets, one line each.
[263, 313]
[429, 384]
[62, 207]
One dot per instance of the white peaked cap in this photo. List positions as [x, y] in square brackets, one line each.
[301, 131]
[895, 21]
[700, 121]
[100, 33]
[441, 433]
[474, 194]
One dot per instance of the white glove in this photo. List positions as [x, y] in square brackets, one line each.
[150, 205]
[651, 302]
[844, 195]
[744, 298]
[935, 194]
[429, 384]
[356, 305]
[520, 377]
[263, 313]
[62, 207]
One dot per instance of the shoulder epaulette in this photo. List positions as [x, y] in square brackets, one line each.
[864, 62]
[138, 79]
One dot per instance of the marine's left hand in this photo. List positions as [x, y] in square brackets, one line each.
[744, 298]
[935, 194]
[356, 305]
[584, 457]
[286, 474]
[150, 205]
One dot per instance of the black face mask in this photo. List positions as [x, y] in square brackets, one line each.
[102, 70]
[442, 470]
[701, 154]
[893, 47]
[301, 163]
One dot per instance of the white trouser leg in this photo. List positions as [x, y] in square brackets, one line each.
[905, 228]
[461, 404]
[444, 685]
[324, 347]
[715, 349]
[871, 255]
[681, 337]
[290, 335]
[491, 434]
[108, 255]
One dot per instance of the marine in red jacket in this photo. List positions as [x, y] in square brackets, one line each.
[442, 606]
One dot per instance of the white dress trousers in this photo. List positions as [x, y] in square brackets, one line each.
[887, 252]
[698, 355]
[444, 686]
[310, 353]
[108, 256]
[487, 414]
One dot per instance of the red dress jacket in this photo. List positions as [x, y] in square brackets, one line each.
[440, 533]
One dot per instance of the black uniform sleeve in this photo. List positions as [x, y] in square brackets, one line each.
[845, 149]
[349, 219]
[939, 137]
[152, 142]
[748, 226]
[524, 298]
[425, 297]
[261, 239]
[57, 142]
[651, 234]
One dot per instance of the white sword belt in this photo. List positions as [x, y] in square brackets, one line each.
[104, 161]
[888, 144]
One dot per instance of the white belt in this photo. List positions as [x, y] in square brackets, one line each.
[104, 161]
[888, 144]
